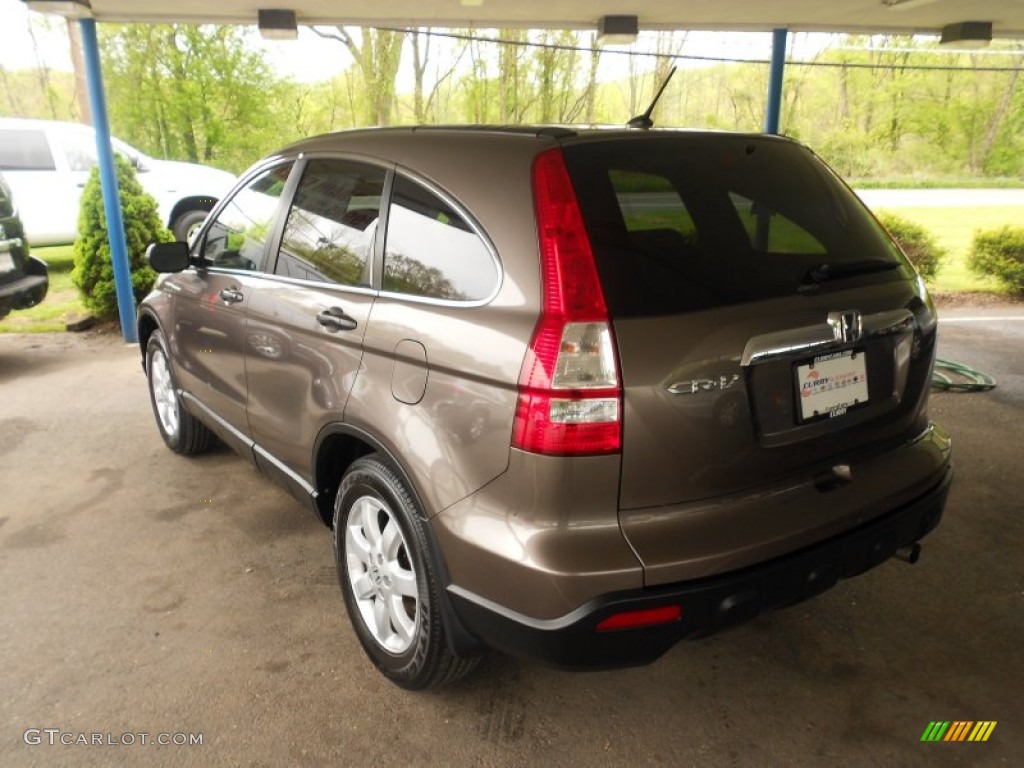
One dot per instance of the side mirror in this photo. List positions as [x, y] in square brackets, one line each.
[168, 257]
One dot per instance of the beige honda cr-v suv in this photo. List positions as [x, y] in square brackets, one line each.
[571, 394]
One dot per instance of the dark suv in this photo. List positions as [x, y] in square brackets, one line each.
[24, 279]
[571, 394]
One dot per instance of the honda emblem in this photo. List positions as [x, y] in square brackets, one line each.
[846, 325]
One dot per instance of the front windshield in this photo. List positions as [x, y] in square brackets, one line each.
[80, 151]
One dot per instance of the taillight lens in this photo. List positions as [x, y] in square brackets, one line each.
[570, 398]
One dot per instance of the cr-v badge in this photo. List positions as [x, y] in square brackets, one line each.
[693, 386]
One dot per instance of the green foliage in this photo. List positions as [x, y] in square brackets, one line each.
[206, 94]
[37, 93]
[194, 93]
[999, 253]
[94, 271]
[919, 246]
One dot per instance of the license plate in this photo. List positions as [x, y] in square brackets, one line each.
[6, 262]
[830, 385]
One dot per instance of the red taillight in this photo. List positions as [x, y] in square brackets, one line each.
[649, 617]
[570, 398]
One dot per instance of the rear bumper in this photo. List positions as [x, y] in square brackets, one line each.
[27, 290]
[23, 293]
[708, 605]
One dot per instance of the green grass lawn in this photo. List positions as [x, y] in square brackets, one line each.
[61, 300]
[953, 229]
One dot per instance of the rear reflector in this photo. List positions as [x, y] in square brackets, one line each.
[648, 617]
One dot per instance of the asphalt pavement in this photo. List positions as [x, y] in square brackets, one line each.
[190, 599]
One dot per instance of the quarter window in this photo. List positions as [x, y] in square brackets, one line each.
[432, 251]
[237, 237]
[328, 236]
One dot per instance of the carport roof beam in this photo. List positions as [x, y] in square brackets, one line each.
[852, 16]
[69, 9]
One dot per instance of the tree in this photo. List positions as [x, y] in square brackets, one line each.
[195, 93]
[377, 54]
[424, 102]
[40, 91]
[1000, 114]
[514, 76]
[94, 271]
[78, 63]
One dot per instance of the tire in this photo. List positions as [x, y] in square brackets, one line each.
[187, 224]
[182, 432]
[389, 582]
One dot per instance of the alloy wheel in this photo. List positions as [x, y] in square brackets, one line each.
[381, 574]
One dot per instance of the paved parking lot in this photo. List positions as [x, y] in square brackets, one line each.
[148, 593]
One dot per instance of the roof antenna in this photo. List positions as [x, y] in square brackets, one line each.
[644, 122]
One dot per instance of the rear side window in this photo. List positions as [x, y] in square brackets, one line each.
[432, 251]
[682, 223]
[25, 150]
[237, 236]
[328, 236]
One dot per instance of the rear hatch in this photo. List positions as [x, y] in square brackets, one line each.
[765, 322]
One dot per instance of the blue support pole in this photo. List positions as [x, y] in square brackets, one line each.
[108, 180]
[771, 117]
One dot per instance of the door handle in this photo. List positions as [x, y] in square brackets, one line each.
[335, 319]
[231, 295]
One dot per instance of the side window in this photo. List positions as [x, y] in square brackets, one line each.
[236, 238]
[328, 236]
[25, 150]
[432, 251]
[79, 149]
[771, 232]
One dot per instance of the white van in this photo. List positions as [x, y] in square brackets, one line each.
[47, 163]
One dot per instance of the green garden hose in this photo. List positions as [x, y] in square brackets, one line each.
[951, 376]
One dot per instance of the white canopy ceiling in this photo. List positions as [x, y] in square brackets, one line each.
[895, 16]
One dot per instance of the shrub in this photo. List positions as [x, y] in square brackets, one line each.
[922, 250]
[999, 253]
[94, 270]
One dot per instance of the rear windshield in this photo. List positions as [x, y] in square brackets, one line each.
[685, 223]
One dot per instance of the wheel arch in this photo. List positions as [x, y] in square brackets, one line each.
[191, 203]
[336, 448]
[146, 324]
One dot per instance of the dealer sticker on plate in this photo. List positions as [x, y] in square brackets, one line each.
[830, 385]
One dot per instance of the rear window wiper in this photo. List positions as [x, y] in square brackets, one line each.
[825, 272]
